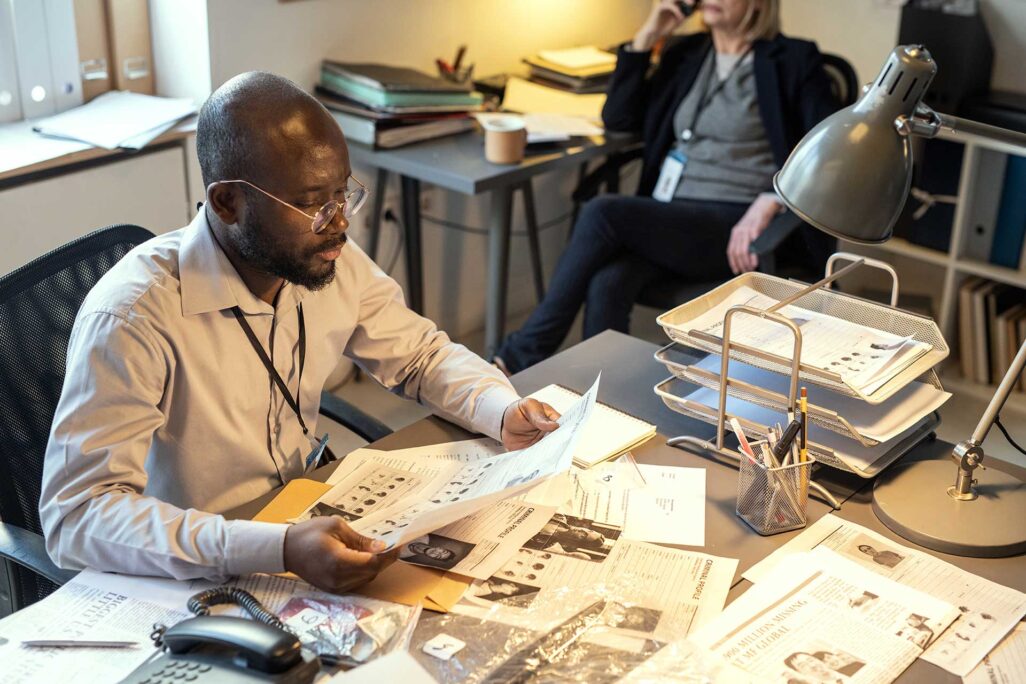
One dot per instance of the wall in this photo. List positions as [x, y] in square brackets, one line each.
[291, 38]
[865, 31]
[181, 55]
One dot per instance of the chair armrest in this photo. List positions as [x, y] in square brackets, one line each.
[590, 184]
[352, 418]
[29, 550]
[776, 232]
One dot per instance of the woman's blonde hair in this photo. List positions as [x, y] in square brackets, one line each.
[761, 22]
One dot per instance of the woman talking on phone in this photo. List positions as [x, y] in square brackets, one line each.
[718, 116]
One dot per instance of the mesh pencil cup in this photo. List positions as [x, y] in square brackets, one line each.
[772, 500]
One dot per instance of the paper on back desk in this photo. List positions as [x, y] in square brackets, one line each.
[400, 582]
[117, 119]
[882, 422]
[531, 98]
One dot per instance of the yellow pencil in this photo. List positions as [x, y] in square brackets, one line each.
[803, 454]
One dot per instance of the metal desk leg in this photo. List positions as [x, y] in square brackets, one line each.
[374, 220]
[498, 267]
[414, 257]
[531, 219]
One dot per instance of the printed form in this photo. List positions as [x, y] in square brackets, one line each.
[987, 610]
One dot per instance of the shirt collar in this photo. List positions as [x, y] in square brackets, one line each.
[210, 282]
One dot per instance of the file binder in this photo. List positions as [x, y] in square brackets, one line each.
[93, 47]
[130, 47]
[10, 98]
[31, 46]
[63, 46]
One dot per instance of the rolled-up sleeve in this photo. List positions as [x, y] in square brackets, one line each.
[409, 355]
[92, 505]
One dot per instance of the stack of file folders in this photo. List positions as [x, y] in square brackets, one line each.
[387, 106]
[579, 70]
[869, 369]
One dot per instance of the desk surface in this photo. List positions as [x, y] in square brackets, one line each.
[457, 162]
[628, 374]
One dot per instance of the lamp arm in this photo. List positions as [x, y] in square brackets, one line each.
[970, 453]
[928, 123]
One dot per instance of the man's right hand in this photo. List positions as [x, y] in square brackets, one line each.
[664, 19]
[330, 555]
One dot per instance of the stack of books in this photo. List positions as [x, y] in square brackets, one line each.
[991, 328]
[578, 70]
[387, 106]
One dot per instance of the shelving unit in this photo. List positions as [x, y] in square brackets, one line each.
[978, 193]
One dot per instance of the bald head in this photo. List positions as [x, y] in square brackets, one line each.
[259, 126]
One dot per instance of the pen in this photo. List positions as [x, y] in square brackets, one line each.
[803, 454]
[318, 451]
[742, 441]
[783, 446]
[65, 643]
[459, 58]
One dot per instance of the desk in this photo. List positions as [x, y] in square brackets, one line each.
[457, 163]
[628, 374]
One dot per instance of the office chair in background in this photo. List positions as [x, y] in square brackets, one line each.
[671, 292]
[38, 304]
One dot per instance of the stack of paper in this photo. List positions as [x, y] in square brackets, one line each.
[608, 433]
[118, 119]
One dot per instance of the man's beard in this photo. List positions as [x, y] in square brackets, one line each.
[268, 253]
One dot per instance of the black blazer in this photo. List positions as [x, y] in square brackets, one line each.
[792, 88]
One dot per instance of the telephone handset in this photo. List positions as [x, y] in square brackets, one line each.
[220, 648]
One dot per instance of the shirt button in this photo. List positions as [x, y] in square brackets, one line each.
[277, 429]
[686, 134]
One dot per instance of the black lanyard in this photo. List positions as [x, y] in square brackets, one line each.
[707, 95]
[271, 370]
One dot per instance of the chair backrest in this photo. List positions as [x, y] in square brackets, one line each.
[38, 304]
[844, 81]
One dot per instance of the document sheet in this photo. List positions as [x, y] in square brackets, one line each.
[572, 562]
[987, 610]
[23, 147]
[864, 357]
[118, 119]
[882, 422]
[478, 545]
[659, 504]
[93, 606]
[1006, 664]
[400, 498]
[822, 617]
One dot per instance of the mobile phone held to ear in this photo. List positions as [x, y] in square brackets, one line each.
[687, 9]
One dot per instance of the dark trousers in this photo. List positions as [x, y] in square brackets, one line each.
[620, 245]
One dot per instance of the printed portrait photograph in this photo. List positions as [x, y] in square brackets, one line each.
[822, 663]
[567, 535]
[505, 591]
[868, 551]
[635, 618]
[436, 551]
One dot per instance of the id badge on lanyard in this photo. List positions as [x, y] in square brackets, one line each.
[669, 175]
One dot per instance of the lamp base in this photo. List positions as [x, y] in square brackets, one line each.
[912, 500]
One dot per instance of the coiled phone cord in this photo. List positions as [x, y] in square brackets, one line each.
[200, 604]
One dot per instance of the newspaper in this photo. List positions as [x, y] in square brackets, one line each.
[987, 610]
[1006, 664]
[478, 545]
[820, 617]
[658, 504]
[865, 359]
[665, 592]
[400, 498]
[97, 607]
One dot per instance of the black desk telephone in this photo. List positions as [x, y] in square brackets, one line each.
[226, 649]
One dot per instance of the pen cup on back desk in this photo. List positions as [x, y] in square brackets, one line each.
[772, 500]
[505, 139]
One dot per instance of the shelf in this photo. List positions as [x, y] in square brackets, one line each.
[903, 247]
[999, 273]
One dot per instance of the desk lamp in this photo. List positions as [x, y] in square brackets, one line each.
[849, 177]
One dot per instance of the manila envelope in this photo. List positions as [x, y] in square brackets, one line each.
[400, 582]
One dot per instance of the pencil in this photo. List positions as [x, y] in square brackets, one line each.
[803, 453]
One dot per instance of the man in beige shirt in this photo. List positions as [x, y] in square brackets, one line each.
[169, 416]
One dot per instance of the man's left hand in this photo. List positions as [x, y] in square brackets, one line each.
[526, 421]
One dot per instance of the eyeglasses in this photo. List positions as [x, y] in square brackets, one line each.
[351, 203]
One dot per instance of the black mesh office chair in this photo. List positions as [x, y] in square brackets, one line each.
[38, 304]
[668, 293]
